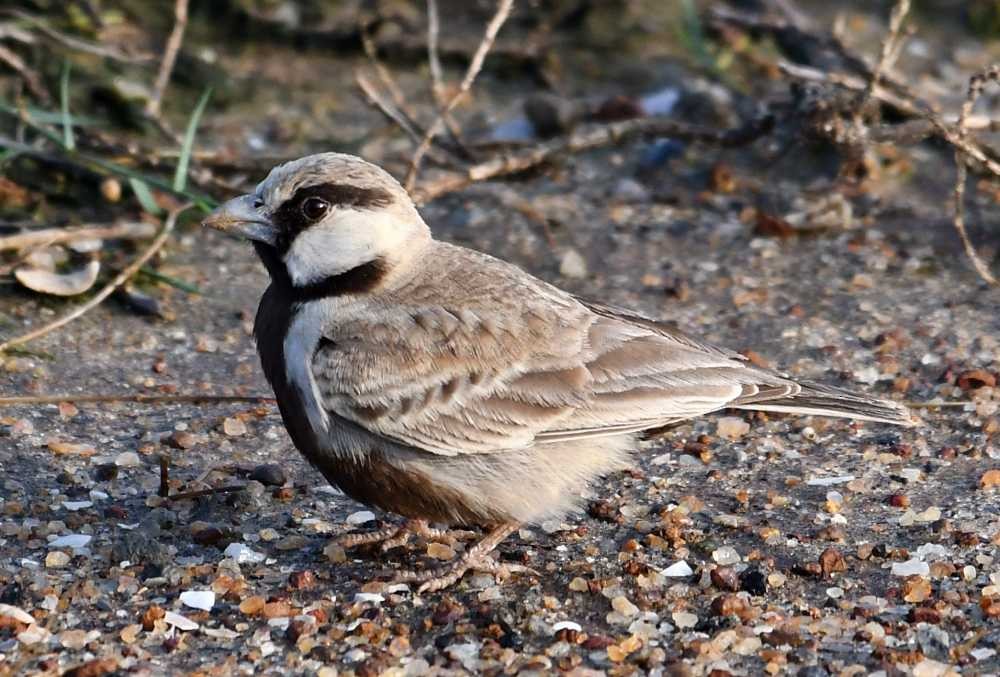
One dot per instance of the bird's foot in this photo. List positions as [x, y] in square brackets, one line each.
[476, 558]
[394, 537]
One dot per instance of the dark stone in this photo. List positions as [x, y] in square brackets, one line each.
[269, 474]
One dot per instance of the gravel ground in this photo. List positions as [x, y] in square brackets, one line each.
[739, 544]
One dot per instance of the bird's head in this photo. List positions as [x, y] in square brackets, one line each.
[323, 216]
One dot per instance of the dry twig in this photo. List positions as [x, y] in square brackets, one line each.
[75, 43]
[588, 139]
[476, 65]
[169, 58]
[107, 290]
[30, 77]
[890, 52]
[129, 230]
[976, 84]
[135, 398]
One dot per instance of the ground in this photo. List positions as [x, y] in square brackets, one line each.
[788, 545]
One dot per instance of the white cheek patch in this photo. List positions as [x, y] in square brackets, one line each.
[346, 239]
[300, 344]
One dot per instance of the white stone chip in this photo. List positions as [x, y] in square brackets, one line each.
[830, 481]
[726, 555]
[243, 554]
[373, 597]
[361, 517]
[17, 613]
[566, 625]
[70, 541]
[73, 506]
[678, 570]
[911, 567]
[179, 622]
[198, 599]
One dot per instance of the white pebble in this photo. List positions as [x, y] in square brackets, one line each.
[726, 555]
[70, 541]
[198, 599]
[573, 265]
[683, 619]
[731, 427]
[128, 459]
[566, 625]
[73, 506]
[829, 481]
[361, 517]
[372, 597]
[911, 567]
[678, 570]
[243, 554]
[179, 622]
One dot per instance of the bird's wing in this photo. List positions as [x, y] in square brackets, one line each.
[503, 369]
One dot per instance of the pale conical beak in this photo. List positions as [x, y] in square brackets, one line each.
[240, 217]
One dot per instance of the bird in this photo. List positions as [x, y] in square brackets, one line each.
[452, 388]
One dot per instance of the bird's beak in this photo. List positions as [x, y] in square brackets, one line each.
[239, 217]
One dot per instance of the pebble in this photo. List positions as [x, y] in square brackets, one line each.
[56, 559]
[684, 619]
[360, 517]
[622, 605]
[269, 474]
[677, 570]
[912, 567]
[70, 541]
[732, 427]
[335, 553]
[73, 506]
[33, 635]
[829, 481]
[128, 459]
[990, 479]
[566, 625]
[243, 554]
[372, 597]
[726, 555]
[234, 427]
[198, 599]
[179, 622]
[77, 639]
[573, 265]
[17, 613]
[579, 585]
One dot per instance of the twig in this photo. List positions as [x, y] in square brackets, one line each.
[387, 109]
[130, 230]
[587, 139]
[138, 398]
[107, 290]
[433, 59]
[31, 78]
[888, 55]
[79, 45]
[169, 58]
[489, 36]
[976, 84]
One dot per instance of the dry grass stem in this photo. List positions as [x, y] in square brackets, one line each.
[107, 290]
[169, 59]
[475, 66]
[30, 77]
[129, 230]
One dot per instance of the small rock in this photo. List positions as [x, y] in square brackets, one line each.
[678, 570]
[622, 605]
[440, 551]
[725, 578]
[726, 555]
[911, 567]
[198, 599]
[252, 606]
[278, 609]
[56, 559]
[128, 459]
[360, 517]
[75, 639]
[335, 553]
[269, 474]
[990, 479]
[729, 605]
[301, 580]
[684, 619]
[235, 427]
[732, 427]
[243, 554]
[18, 614]
[573, 265]
[579, 585]
[832, 561]
[71, 541]
[181, 439]
[105, 472]
[829, 481]
[180, 622]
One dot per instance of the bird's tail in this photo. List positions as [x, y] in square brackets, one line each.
[821, 400]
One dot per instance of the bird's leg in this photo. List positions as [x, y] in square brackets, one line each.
[393, 537]
[476, 558]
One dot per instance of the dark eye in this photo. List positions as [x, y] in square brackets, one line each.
[314, 208]
[258, 203]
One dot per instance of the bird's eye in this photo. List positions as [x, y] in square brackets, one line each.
[314, 208]
[258, 203]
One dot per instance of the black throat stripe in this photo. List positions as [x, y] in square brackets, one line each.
[290, 221]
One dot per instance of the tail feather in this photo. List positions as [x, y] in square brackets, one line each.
[822, 400]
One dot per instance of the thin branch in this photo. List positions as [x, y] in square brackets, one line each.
[476, 65]
[206, 492]
[590, 138]
[72, 42]
[387, 109]
[130, 230]
[137, 398]
[976, 84]
[31, 78]
[433, 59]
[169, 58]
[890, 52]
[107, 290]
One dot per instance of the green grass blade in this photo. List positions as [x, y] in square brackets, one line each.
[69, 140]
[145, 196]
[180, 176]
